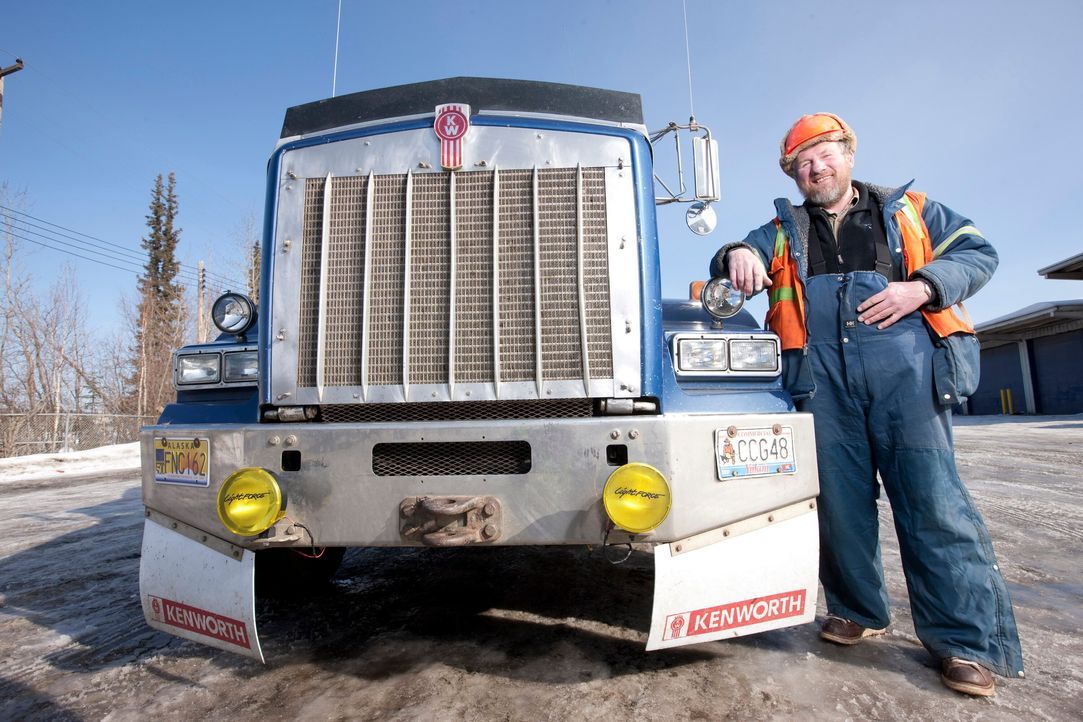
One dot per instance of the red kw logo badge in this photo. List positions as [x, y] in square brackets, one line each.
[451, 125]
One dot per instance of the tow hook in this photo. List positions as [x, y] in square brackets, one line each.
[450, 521]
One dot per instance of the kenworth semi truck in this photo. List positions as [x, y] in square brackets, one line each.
[460, 340]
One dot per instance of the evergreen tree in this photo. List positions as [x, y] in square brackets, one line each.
[160, 315]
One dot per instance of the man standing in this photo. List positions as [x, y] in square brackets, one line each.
[863, 281]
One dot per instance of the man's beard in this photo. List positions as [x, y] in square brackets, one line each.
[825, 195]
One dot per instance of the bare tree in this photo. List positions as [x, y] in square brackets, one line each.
[45, 360]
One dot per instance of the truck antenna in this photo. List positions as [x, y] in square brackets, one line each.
[688, 60]
[338, 26]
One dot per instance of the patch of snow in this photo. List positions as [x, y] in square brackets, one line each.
[118, 457]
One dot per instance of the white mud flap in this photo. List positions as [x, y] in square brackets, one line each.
[745, 578]
[195, 592]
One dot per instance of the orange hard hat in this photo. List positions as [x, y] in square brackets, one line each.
[810, 130]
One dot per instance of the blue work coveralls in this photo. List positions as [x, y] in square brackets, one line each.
[879, 407]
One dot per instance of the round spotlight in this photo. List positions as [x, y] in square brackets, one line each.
[233, 313]
[250, 501]
[721, 299]
[636, 497]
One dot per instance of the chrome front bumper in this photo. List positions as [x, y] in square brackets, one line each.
[336, 495]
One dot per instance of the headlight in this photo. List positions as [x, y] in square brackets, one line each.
[241, 366]
[721, 299]
[702, 354]
[636, 497]
[233, 313]
[250, 501]
[754, 354]
[198, 369]
[725, 355]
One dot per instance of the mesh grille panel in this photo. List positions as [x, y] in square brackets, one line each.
[311, 240]
[480, 270]
[388, 277]
[561, 358]
[456, 411]
[454, 458]
[345, 282]
[474, 292]
[430, 279]
[516, 275]
[596, 274]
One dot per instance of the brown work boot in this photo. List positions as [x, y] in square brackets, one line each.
[843, 631]
[967, 677]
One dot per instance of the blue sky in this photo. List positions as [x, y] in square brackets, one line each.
[979, 101]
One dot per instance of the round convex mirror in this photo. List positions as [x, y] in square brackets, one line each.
[701, 218]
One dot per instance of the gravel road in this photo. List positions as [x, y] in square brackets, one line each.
[523, 634]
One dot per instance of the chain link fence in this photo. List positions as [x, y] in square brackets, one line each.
[22, 434]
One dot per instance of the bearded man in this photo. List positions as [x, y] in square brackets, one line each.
[863, 281]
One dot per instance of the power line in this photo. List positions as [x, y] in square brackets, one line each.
[110, 255]
[102, 246]
[183, 276]
[134, 266]
[184, 273]
[70, 253]
[134, 255]
[123, 249]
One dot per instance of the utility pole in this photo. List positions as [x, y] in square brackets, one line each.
[8, 71]
[254, 272]
[201, 287]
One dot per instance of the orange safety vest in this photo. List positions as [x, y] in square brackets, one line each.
[786, 312]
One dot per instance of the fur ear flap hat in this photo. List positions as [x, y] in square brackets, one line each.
[810, 130]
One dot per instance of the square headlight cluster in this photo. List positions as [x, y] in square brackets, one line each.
[213, 368]
[711, 355]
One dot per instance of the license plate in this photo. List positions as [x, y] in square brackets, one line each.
[762, 451]
[182, 461]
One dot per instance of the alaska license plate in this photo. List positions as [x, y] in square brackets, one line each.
[182, 461]
[759, 451]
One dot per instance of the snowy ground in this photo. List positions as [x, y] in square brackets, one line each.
[117, 459]
[508, 633]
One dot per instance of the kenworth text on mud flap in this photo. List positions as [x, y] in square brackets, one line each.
[461, 340]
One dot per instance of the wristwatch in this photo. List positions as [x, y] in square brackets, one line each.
[929, 291]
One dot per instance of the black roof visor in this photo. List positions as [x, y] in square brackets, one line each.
[525, 96]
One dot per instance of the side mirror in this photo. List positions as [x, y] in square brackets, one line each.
[700, 217]
[705, 157]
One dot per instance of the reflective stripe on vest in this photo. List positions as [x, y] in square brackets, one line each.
[786, 313]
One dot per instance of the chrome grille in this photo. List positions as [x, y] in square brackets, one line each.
[484, 265]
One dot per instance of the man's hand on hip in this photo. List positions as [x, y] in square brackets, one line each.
[899, 299]
[746, 271]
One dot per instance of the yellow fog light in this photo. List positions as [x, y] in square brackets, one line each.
[250, 501]
[636, 497]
